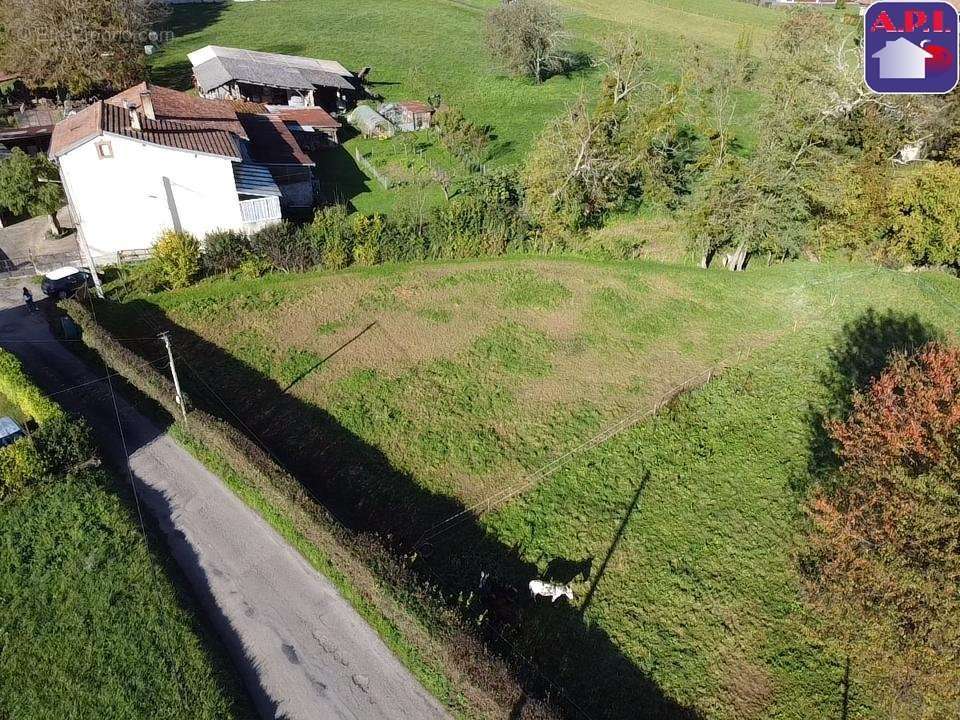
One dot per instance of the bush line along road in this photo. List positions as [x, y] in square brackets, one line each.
[303, 650]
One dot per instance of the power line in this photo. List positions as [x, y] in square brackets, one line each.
[137, 504]
[550, 467]
[605, 434]
[99, 379]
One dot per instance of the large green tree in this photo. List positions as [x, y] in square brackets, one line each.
[78, 45]
[31, 185]
[634, 145]
[925, 219]
[822, 140]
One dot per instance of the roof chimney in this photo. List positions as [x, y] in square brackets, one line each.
[134, 117]
[146, 104]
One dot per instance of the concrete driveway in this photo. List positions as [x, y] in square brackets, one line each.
[302, 650]
[28, 239]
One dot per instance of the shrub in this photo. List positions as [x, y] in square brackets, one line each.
[405, 236]
[20, 465]
[57, 445]
[143, 278]
[253, 267]
[368, 234]
[926, 220]
[467, 141]
[63, 443]
[178, 258]
[331, 237]
[337, 252]
[283, 246]
[15, 386]
[484, 219]
[225, 250]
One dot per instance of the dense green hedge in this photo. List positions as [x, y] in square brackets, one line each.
[247, 457]
[17, 388]
[58, 444]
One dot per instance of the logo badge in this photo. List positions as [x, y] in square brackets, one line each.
[911, 47]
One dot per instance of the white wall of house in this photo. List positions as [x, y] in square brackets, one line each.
[124, 203]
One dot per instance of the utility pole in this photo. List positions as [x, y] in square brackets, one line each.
[165, 336]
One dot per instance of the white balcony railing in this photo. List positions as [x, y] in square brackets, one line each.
[260, 210]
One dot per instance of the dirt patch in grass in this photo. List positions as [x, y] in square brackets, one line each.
[745, 687]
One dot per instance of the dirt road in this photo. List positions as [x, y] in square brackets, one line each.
[303, 651]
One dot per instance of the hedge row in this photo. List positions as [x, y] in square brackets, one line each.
[439, 653]
[242, 453]
[59, 443]
[17, 388]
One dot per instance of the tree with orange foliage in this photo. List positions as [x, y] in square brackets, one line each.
[885, 559]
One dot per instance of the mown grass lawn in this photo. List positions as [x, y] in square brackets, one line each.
[418, 48]
[90, 625]
[406, 393]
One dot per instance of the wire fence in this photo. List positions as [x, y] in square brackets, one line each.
[372, 171]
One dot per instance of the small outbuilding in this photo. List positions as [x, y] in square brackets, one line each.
[370, 123]
[409, 115]
[314, 128]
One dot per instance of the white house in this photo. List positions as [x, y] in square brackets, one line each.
[900, 59]
[152, 158]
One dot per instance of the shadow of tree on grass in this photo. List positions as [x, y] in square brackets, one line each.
[859, 354]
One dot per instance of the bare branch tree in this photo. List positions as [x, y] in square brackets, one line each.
[627, 60]
[526, 36]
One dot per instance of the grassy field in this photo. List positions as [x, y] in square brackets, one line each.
[418, 48]
[405, 394]
[88, 632]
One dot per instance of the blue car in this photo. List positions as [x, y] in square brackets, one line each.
[10, 431]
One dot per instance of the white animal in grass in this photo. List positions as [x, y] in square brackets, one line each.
[554, 592]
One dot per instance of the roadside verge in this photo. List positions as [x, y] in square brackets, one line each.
[417, 627]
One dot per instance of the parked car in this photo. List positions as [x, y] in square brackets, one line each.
[10, 431]
[65, 281]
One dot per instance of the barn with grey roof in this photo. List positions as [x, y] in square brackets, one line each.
[223, 73]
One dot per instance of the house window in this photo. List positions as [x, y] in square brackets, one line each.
[104, 150]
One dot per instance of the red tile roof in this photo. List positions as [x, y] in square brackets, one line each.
[271, 142]
[308, 117]
[108, 117]
[189, 123]
[179, 107]
[415, 106]
[168, 133]
[76, 129]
